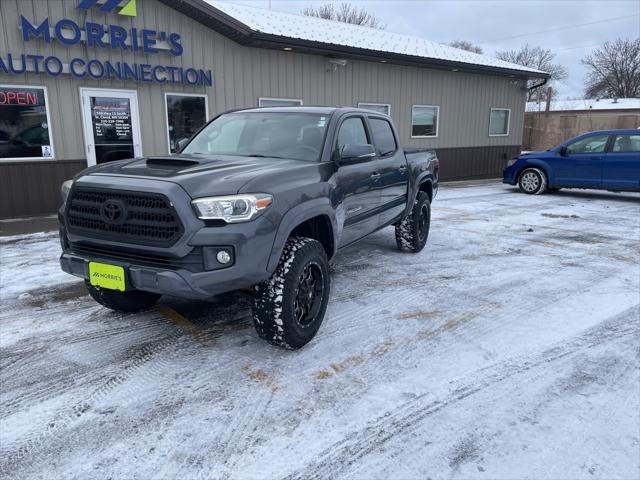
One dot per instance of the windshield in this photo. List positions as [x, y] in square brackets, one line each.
[296, 136]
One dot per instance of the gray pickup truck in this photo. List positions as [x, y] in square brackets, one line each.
[259, 199]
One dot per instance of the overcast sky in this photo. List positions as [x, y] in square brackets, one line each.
[488, 23]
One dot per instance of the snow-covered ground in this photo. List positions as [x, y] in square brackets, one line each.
[508, 348]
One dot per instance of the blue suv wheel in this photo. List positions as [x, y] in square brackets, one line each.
[532, 181]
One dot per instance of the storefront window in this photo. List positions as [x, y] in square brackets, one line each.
[185, 115]
[24, 123]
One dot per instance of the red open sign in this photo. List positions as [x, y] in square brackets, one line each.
[18, 97]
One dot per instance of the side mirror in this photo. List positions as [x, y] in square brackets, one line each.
[355, 153]
[182, 143]
[563, 151]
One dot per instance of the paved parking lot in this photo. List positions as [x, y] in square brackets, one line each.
[508, 348]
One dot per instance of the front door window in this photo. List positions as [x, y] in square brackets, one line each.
[589, 145]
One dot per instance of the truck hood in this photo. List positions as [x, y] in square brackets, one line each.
[201, 175]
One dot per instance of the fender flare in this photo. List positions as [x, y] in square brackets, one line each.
[294, 217]
[424, 177]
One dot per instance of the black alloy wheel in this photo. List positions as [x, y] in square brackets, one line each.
[309, 294]
[423, 223]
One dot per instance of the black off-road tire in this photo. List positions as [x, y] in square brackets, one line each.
[129, 301]
[413, 230]
[532, 181]
[278, 315]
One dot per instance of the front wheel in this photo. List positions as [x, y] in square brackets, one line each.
[288, 309]
[532, 181]
[412, 231]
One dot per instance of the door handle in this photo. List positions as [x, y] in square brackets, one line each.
[375, 176]
[403, 168]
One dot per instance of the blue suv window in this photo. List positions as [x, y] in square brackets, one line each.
[595, 144]
[626, 143]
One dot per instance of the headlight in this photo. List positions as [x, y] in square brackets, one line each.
[234, 208]
[511, 162]
[65, 189]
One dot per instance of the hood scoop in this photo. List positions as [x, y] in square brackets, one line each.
[170, 162]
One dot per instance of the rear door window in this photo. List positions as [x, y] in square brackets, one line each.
[626, 143]
[383, 137]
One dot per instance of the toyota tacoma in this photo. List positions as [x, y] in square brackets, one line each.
[258, 199]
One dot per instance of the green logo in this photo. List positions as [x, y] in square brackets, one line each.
[129, 9]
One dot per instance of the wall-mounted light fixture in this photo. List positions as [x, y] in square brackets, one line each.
[334, 63]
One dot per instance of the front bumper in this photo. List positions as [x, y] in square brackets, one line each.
[184, 277]
[189, 267]
[509, 175]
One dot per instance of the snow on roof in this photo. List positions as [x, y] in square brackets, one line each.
[345, 34]
[586, 104]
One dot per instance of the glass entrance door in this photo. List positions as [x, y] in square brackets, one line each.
[111, 125]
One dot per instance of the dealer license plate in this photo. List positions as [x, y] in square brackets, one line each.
[107, 276]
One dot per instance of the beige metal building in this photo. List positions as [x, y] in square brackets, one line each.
[88, 81]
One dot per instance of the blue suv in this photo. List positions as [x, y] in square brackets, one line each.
[608, 159]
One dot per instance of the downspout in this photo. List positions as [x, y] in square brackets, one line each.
[544, 82]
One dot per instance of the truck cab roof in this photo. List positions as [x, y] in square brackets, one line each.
[309, 109]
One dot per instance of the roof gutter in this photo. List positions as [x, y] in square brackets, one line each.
[266, 40]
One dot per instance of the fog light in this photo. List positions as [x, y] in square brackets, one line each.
[223, 257]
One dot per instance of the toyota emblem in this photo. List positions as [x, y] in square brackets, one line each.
[113, 212]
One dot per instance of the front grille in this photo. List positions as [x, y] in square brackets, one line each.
[128, 217]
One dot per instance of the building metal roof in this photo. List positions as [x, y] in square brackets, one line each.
[266, 28]
[586, 104]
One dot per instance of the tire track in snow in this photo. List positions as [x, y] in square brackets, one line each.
[39, 442]
[123, 338]
[527, 408]
[336, 459]
[464, 325]
[465, 328]
[399, 352]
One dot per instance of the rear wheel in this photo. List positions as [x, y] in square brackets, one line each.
[413, 230]
[129, 301]
[289, 308]
[532, 181]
